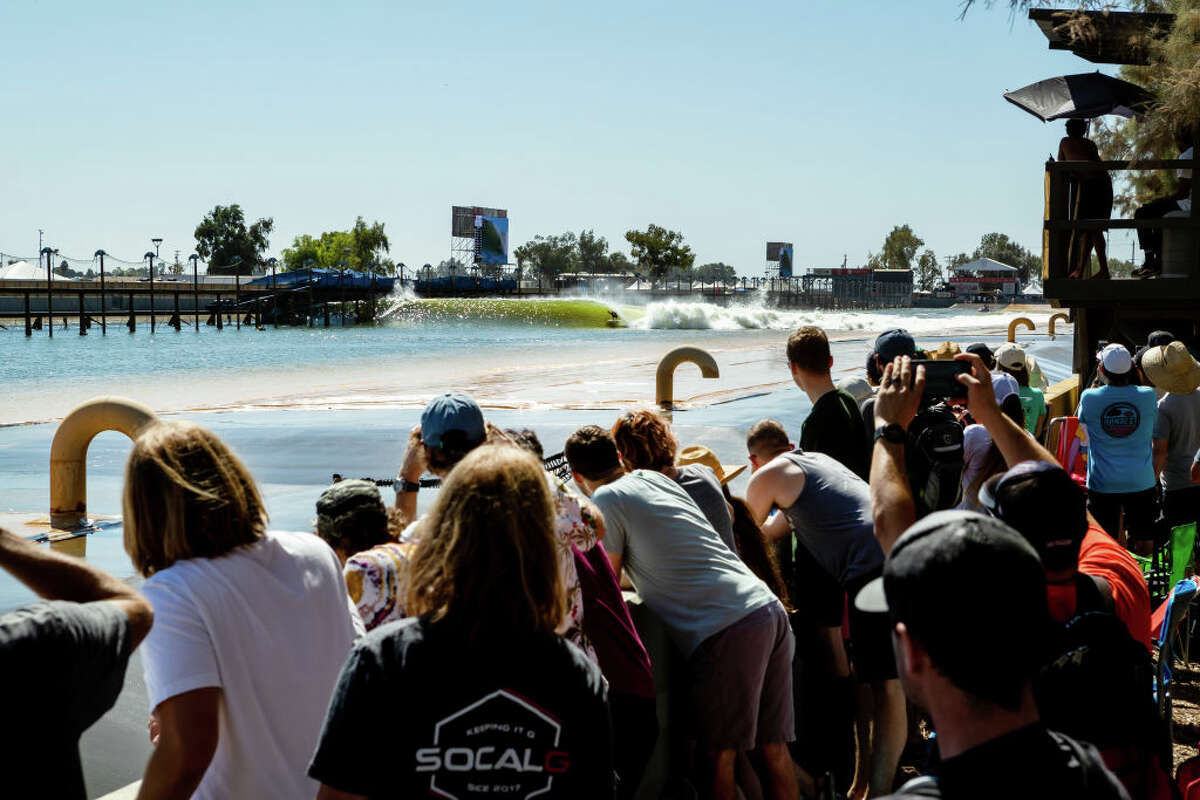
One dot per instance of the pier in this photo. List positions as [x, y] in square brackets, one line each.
[303, 297]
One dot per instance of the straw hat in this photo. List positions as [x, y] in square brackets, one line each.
[699, 454]
[1171, 368]
[944, 352]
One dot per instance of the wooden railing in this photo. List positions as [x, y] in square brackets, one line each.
[1059, 227]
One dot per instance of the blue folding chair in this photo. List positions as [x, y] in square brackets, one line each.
[1178, 604]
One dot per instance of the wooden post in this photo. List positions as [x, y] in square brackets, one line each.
[82, 317]
[326, 307]
[220, 321]
[132, 323]
[103, 299]
[28, 321]
[237, 298]
[175, 322]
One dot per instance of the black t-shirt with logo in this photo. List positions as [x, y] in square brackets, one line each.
[420, 712]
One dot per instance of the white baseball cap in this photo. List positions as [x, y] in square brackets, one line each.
[1115, 359]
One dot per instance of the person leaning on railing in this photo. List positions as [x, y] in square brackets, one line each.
[64, 658]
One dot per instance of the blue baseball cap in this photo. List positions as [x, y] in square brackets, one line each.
[894, 342]
[452, 411]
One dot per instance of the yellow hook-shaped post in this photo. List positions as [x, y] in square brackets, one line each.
[664, 382]
[1012, 327]
[68, 452]
[1056, 317]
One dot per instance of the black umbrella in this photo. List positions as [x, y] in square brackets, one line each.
[1090, 94]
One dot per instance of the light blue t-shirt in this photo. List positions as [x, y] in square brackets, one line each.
[688, 577]
[1120, 425]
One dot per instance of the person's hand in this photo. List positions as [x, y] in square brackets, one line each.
[981, 398]
[899, 394]
[413, 466]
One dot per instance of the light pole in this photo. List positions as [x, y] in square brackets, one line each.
[274, 292]
[150, 257]
[100, 254]
[342, 286]
[49, 254]
[236, 262]
[308, 262]
[195, 259]
[342, 293]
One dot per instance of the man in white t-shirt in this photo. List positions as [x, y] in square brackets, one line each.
[1150, 239]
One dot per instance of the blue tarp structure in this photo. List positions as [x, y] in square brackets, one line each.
[327, 279]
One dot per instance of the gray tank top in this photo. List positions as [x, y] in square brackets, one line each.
[832, 518]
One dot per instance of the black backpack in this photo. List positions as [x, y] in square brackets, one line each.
[1098, 685]
[934, 459]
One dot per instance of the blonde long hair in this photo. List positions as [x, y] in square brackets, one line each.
[487, 558]
[187, 496]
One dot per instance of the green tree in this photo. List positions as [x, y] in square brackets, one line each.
[928, 275]
[998, 247]
[593, 252]
[619, 263]
[549, 256]
[716, 272]
[369, 244]
[957, 260]
[223, 234]
[659, 251]
[899, 249]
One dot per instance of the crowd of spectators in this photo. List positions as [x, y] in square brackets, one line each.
[919, 578]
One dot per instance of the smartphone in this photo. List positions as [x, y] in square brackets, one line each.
[941, 378]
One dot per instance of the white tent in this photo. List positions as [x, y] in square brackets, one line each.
[24, 271]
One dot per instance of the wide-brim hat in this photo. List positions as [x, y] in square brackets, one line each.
[1170, 367]
[699, 454]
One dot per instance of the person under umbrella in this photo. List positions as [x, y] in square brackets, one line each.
[1093, 199]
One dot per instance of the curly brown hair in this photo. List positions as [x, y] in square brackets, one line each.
[487, 558]
[644, 440]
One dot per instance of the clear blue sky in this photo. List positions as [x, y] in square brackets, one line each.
[824, 122]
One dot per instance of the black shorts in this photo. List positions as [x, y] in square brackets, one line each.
[870, 639]
[1141, 512]
[816, 595]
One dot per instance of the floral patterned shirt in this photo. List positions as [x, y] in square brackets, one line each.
[377, 580]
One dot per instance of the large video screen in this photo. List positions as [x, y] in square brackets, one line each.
[462, 218]
[785, 261]
[773, 249]
[491, 240]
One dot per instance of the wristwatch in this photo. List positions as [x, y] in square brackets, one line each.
[890, 433]
[405, 485]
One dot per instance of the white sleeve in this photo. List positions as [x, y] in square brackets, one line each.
[178, 654]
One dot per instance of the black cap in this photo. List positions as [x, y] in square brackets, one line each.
[893, 343]
[1159, 338]
[984, 352]
[1041, 502]
[972, 591]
